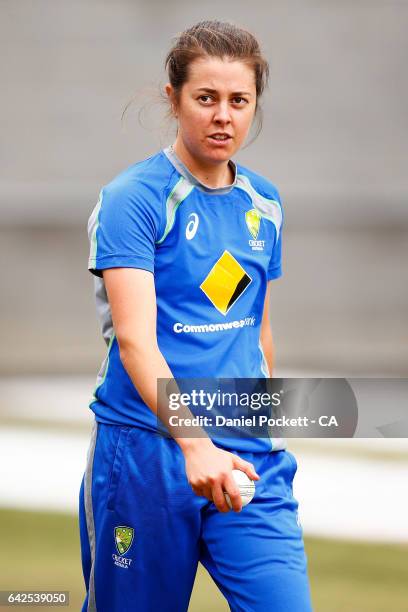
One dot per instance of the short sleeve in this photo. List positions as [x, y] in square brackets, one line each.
[275, 263]
[122, 230]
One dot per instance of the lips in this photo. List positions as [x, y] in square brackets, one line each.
[220, 136]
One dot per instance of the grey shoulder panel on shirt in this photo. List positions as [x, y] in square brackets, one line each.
[93, 223]
[270, 209]
[178, 194]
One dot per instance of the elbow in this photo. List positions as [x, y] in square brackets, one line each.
[135, 349]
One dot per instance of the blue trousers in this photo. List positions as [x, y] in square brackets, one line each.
[143, 531]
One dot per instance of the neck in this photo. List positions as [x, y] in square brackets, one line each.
[210, 174]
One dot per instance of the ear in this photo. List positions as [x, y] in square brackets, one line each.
[172, 98]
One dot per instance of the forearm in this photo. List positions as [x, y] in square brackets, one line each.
[145, 365]
[268, 348]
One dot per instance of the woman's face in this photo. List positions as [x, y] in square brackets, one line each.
[215, 108]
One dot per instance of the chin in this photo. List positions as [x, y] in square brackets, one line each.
[220, 155]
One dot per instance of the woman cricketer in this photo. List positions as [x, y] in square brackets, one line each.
[183, 247]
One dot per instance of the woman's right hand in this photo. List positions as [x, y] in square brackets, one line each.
[209, 472]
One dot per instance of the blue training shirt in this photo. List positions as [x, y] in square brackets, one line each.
[212, 251]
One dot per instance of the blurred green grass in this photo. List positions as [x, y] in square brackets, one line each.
[41, 550]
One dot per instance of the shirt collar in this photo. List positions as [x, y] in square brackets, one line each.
[184, 171]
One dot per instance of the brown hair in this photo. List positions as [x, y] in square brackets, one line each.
[215, 39]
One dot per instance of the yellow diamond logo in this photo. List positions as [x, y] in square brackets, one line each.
[225, 283]
[253, 220]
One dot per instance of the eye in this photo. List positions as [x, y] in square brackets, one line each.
[239, 101]
[205, 98]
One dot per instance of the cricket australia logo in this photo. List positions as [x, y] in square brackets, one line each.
[123, 540]
[253, 221]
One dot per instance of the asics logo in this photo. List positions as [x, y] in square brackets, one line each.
[192, 226]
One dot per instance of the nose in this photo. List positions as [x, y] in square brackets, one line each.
[222, 113]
